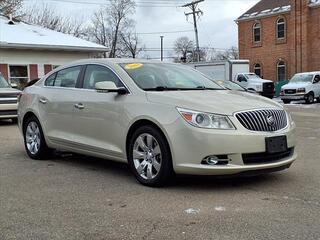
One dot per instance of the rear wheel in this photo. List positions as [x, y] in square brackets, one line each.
[310, 98]
[285, 101]
[149, 157]
[34, 141]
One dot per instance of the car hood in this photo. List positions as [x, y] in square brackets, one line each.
[219, 101]
[260, 81]
[9, 90]
[295, 85]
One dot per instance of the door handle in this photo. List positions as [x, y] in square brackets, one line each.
[43, 100]
[79, 106]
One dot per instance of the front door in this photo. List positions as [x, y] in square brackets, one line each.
[98, 123]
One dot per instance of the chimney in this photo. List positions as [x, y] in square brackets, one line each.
[11, 22]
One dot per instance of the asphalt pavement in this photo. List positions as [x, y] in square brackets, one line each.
[78, 197]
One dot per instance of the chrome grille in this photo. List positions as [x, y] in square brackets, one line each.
[266, 120]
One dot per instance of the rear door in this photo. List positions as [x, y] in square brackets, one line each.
[57, 103]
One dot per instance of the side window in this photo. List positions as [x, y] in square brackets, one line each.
[67, 77]
[96, 73]
[316, 79]
[241, 78]
[50, 80]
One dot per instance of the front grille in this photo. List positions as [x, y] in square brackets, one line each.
[9, 95]
[290, 91]
[266, 120]
[268, 87]
[8, 101]
[8, 112]
[260, 158]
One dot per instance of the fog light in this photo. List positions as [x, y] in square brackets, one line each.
[212, 160]
[216, 160]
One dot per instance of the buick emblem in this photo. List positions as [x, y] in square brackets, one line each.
[270, 120]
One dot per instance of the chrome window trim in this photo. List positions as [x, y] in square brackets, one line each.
[85, 65]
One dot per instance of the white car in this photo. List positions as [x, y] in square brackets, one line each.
[161, 118]
[302, 86]
[8, 100]
[253, 82]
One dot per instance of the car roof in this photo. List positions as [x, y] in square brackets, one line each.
[116, 60]
[308, 73]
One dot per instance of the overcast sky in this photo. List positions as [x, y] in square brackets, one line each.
[217, 28]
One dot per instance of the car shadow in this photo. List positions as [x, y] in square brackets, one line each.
[182, 182]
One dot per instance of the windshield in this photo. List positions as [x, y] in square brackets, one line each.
[3, 82]
[230, 85]
[166, 77]
[251, 76]
[304, 78]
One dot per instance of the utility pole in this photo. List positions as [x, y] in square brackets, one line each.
[195, 12]
[161, 37]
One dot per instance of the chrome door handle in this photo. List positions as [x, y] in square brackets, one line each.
[43, 100]
[79, 106]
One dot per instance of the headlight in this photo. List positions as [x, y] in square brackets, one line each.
[206, 120]
[301, 90]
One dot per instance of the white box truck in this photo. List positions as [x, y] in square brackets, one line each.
[237, 71]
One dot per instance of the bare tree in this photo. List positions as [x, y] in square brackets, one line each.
[119, 12]
[130, 42]
[184, 47]
[46, 16]
[231, 53]
[110, 23]
[11, 7]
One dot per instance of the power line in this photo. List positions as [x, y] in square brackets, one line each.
[169, 32]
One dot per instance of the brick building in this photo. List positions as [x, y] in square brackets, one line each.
[281, 37]
[28, 51]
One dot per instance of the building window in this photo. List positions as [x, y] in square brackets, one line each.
[281, 28]
[257, 69]
[19, 75]
[257, 32]
[281, 70]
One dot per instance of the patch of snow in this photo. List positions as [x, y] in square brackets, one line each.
[192, 211]
[220, 209]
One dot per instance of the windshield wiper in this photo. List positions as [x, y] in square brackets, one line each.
[164, 88]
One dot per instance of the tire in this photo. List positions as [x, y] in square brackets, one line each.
[34, 141]
[285, 101]
[151, 163]
[14, 120]
[310, 98]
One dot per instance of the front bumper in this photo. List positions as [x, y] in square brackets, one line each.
[294, 97]
[8, 111]
[190, 145]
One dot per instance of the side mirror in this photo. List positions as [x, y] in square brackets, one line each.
[316, 80]
[13, 85]
[108, 86]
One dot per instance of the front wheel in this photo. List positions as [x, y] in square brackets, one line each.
[310, 98]
[34, 141]
[149, 157]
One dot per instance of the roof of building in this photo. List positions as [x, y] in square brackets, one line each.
[20, 35]
[267, 7]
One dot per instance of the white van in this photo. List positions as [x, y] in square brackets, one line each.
[253, 82]
[302, 86]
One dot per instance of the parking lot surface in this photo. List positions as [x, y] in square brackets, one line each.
[77, 197]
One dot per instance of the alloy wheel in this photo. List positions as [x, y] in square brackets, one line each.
[147, 156]
[33, 138]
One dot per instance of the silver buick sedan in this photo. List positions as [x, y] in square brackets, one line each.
[160, 118]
